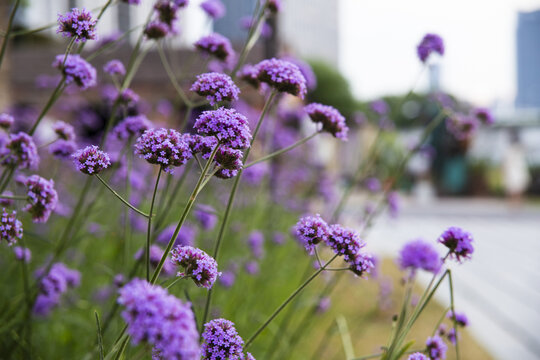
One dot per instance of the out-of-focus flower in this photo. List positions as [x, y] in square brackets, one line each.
[429, 44]
[19, 151]
[206, 216]
[214, 8]
[419, 254]
[76, 71]
[11, 228]
[6, 121]
[436, 348]
[53, 285]
[132, 126]
[64, 130]
[484, 115]
[216, 45]
[255, 242]
[458, 242]
[22, 254]
[114, 67]
[330, 118]
[62, 149]
[42, 198]
[282, 75]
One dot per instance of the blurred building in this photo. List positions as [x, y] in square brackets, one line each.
[528, 60]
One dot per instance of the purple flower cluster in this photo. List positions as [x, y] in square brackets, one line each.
[460, 318]
[20, 151]
[361, 264]
[216, 45]
[6, 121]
[249, 73]
[230, 161]
[458, 242]
[214, 8]
[159, 319]
[345, 242]
[42, 198]
[430, 43]
[186, 235]
[76, 70]
[197, 264]
[91, 160]
[156, 30]
[229, 126]
[221, 341]
[53, 285]
[312, 230]
[417, 356]
[379, 107]
[64, 130]
[255, 242]
[282, 75]
[62, 149]
[22, 254]
[132, 126]
[201, 144]
[206, 216]
[156, 253]
[10, 228]
[77, 24]
[115, 67]
[436, 348]
[484, 115]
[330, 118]
[164, 147]
[419, 254]
[216, 87]
[305, 69]
[462, 126]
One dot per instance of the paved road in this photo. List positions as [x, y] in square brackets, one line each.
[500, 288]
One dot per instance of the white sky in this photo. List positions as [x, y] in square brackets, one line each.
[379, 38]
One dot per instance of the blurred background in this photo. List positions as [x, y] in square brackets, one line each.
[363, 54]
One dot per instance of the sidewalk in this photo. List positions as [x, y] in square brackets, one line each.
[499, 289]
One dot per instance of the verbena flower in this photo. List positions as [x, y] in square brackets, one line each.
[206, 216]
[344, 242]
[458, 242]
[201, 144]
[305, 69]
[64, 130]
[186, 236]
[167, 12]
[484, 115]
[214, 8]
[312, 230]
[361, 264]
[227, 278]
[460, 318]
[91, 160]
[42, 198]
[392, 199]
[462, 126]
[62, 149]
[249, 73]
[76, 70]
[22, 254]
[379, 107]
[221, 341]
[436, 348]
[164, 147]
[283, 76]
[417, 356]
[227, 125]
[114, 67]
[216, 87]
[229, 159]
[197, 264]
[429, 44]
[216, 45]
[156, 30]
[330, 118]
[53, 285]
[77, 24]
[252, 267]
[323, 305]
[156, 253]
[255, 242]
[20, 151]
[6, 121]
[372, 184]
[452, 336]
[419, 254]
[11, 228]
[155, 317]
[127, 97]
[132, 126]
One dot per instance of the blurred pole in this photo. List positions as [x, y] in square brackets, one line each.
[271, 45]
[5, 9]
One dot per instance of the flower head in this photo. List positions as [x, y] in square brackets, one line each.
[229, 159]
[216, 87]
[201, 144]
[216, 45]
[186, 236]
[76, 70]
[10, 228]
[436, 348]
[484, 115]
[417, 356]
[249, 73]
[344, 242]
[62, 149]
[206, 216]
[22, 254]
[458, 242]
[229, 126]
[159, 319]
[214, 8]
[361, 264]
[255, 242]
[20, 151]
[462, 126]
[419, 254]
[115, 67]
[221, 340]
[132, 126]
[330, 118]
[91, 160]
[167, 12]
[312, 230]
[282, 75]
[430, 43]
[460, 318]
[77, 24]
[379, 107]
[42, 198]
[197, 264]
[165, 147]
[53, 285]
[156, 30]
[64, 130]
[6, 121]
[156, 253]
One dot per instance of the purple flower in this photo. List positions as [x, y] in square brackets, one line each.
[436, 348]
[419, 254]
[197, 264]
[379, 107]
[361, 264]
[64, 130]
[273, 5]
[278, 238]
[42, 198]
[20, 151]
[22, 254]
[115, 67]
[159, 319]
[77, 24]
[255, 242]
[392, 200]
[254, 174]
[156, 253]
[76, 70]
[252, 267]
[373, 184]
[430, 43]
[345, 242]
[227, 278]
[6, 121]
[126, 97]
[484, 115]
[167, 12]
[201, 144]
[216, 87]
[10, 228]
[312, 230]
[458, 241]
[132, 126]
[216, 45]
[62, 149]
[164, 147]
[221, 340]
[332, 121]
[452, 337]
[305, 69]
[249, 73]
[247, 22]
[214, 8]
[206, 216]
[91, 160]
[53, 285]
[459, 318]
[323, 305]
[229, 159]
[417, 356]
[282, 75]
[156, 30]
[186, 235]
[229, 126]
[462, 126]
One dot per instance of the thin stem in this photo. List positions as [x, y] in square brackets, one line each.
[54, 96]
[149, 229]
[281, 151]
[8, 31]
[14, 197]
[450, 282]
[120, 197]
[171, 76]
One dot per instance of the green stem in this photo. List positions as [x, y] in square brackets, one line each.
[13, 197]
[451, 284]
[54, 96]
[172, 77]
[8, 31]
[121, 198]
[149, 229]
